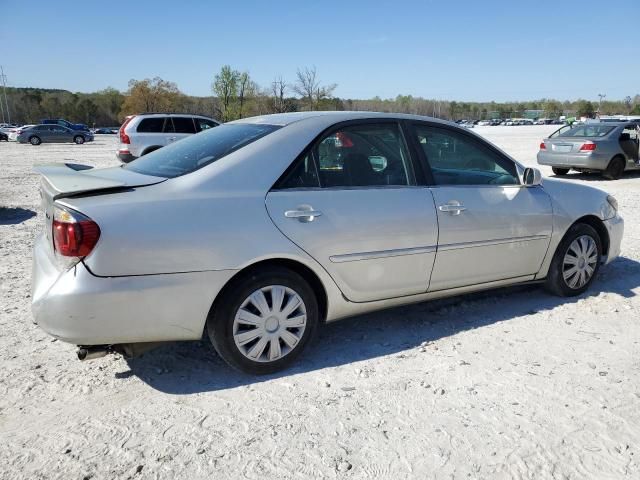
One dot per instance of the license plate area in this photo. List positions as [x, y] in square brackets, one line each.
[561, 148]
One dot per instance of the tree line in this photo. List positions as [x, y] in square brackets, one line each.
[236, 95]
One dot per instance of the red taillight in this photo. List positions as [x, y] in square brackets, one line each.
[74, 235]
[124, 138]
[542, 146]
[588, 147]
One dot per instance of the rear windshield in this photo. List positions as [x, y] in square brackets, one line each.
[588, 131]
[194, 152]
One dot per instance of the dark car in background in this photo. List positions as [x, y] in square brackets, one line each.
[53, 134]
[64, 123]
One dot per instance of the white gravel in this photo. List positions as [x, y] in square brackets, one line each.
[510, 384]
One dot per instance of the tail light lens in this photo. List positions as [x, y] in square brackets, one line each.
[74, 235]
[542, 146]
[124, 138]
[588, 147]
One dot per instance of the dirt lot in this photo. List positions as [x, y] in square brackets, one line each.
[509, 384]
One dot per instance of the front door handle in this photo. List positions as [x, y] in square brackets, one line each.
[453, 207]
[304, 213]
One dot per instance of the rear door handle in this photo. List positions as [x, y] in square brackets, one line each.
[303, 214]
[453, 207]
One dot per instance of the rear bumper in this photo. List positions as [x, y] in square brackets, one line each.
[78, 307]
[588, 161]
[615, 227]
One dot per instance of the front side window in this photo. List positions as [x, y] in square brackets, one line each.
[197, 151]
[456, 159]
[204, 124]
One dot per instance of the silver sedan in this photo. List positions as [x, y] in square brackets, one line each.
[610, 148]
[258, 231]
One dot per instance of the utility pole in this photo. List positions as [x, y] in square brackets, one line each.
[3, 78]
[601, 96]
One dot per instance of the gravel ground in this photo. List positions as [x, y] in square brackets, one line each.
[507, 384]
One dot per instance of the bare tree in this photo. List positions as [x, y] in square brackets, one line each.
[278, 89]
[308, 87]
[244, 86]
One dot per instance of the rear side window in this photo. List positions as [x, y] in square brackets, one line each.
[204, 124]
[197, 151]
[364, 155]
[151, 125]
[183, 125]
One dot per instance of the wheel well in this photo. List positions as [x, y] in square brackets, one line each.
[302, 270]
[599, 227]
[150, 149]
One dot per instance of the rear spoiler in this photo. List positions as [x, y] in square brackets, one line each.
[71, 179]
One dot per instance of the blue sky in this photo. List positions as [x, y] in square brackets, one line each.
[464, 50]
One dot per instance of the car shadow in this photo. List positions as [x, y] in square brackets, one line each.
[192, 367]
[595, 176]
[13, 216]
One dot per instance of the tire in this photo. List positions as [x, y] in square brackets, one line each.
[560, 171]
[149, 150]
[615, 169]
[558, 281]
[261, 334]
[78, 139]
[35, 140]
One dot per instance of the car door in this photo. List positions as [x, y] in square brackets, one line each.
[351, 202]
[183, 127]
[150, 134]
[63, 134]
[491, 227]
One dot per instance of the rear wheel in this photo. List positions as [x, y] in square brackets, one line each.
[263, 320]
[560, 171]
[576, 261]
[35, 140]
[615, 169]
[78, 139]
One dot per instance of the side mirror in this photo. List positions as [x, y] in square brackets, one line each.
[532, 177]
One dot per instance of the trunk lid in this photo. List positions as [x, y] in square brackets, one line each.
[565, 145]
[69, 180]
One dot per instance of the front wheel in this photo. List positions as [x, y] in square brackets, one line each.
[615, 169]
[560, 171]
[263, 320]
[576, 261]
[35, 140]
[78, 139]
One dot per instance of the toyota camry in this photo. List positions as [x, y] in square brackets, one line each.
[258, 231]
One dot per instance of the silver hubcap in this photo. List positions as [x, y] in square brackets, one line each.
[269, 323]
[580, 262]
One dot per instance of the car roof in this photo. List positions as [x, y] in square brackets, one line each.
[330, 117]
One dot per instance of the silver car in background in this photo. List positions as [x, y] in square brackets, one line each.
[257, 231]
[607, 147]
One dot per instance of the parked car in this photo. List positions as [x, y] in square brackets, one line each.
[144, 133]
[257, 231]
[53, 134]
[609, 148]
[64, 123]
[105, 131]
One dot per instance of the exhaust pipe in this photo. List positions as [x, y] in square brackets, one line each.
[91, 353]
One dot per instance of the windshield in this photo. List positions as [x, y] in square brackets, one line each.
[196, 151]
[588, 130]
